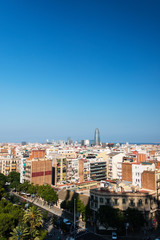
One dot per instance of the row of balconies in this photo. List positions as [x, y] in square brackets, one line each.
[131, 205]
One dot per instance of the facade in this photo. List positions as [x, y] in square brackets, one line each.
[37, 154]
[138, 169]
[9, 161]
[35, 168]
[36, 171]
[92, 168]
[151, 180]
[115, 165]
[98, 170]
[97, 137]
[144, 201]
[72, 173]
[81, 170]
[59, 170]
[85, 142]
[8, 165]
[127, 171]
[22, 170]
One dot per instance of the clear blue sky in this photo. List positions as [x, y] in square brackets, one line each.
[67, 67]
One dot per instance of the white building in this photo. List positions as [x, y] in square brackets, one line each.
[22, 170]
[115, 165]
[138, 169]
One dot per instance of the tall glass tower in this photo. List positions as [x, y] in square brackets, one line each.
[97, 137]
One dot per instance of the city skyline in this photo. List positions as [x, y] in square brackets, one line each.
[69, 67]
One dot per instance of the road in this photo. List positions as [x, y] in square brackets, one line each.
[53, 209]
[64, 214]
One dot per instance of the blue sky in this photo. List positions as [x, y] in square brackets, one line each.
[67, 67]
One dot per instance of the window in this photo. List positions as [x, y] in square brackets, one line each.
[101, 200]
[123, 200]
[116, 201]
[107, 200]
[96, 199]
[140, 202]
[132, 202]
[146, 201]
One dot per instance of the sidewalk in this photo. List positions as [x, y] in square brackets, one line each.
[53, 209]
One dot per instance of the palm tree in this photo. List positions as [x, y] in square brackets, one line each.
[19, 233]
[33, 220]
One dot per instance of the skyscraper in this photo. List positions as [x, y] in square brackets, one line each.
[97, 137]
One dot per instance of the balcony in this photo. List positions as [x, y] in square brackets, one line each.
[13, 168]
[132, 204]
[115, 204]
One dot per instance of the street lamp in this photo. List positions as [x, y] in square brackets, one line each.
[127, 225]
[74, 218]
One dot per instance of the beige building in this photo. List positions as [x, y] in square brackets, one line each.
[144, 201]
[8, 165]
[59, 170]
[38, 171]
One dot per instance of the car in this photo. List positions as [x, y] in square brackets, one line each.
[114, 235]
[66, 221]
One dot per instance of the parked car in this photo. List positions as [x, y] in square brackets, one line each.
[114, 235]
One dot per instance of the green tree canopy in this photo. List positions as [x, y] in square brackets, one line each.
[14, 179]
[47, 193]
[110, 217]
[1, 192]
[33, 220]
[3, 180]
[135, 218]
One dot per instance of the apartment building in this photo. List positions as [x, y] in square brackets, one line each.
[36, 171]
[144, 201]
[92, 168]
[9, 164]
[151, 180]
[72, 173]
[138, 169]
[35, 168]
[115, 165]
[37, 154]
[59, 170]
[127, 171]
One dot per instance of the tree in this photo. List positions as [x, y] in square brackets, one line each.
[3, 180]
[54, 219]
[32, 189]
[47, 193]
[14, 179]
[45, 215]
[110, 217]
[33, 220]
[87, 212]
[135, 218]
[80, 208]
[19, 233]
[23, 187]
[1, 192]
[7, 222]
